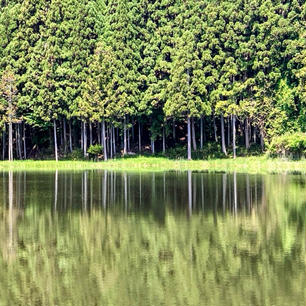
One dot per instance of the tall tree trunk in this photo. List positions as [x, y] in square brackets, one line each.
[223, 135]
[84, 139]
[228, 132]
[254, 135]
[128, 140]
[70, 136]
[124, 137]
[3, 143]
[19, 139]
[152, 146]
[114, 140]
[65, 135]
[201, 131]
[173, 130]
[215, 129]
[139, 136]
[99, 133]
[164, 140]
[188, 139]
[246, 133]
[234, 134]
[24, 141]
[110, 133]
[104, 139]
[10, 149]
[55, 140]
[194, 143]
[90, 133]
[82, 136]
[262, 140]
[16, 137]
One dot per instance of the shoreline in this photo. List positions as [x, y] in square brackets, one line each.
[254, 165]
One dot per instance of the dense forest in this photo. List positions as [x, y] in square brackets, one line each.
[127, 76]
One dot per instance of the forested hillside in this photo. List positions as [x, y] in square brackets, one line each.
[137, 75]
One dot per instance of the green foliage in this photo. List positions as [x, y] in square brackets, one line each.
[76, 154]
[288, 145]
[95, 150]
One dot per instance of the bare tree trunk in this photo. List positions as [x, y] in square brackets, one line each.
[99, 133]
[173, 130]
[254, 135]
[3, 143]
[55, 140]
[24, 141]
[90, 133]
[65, 135]
[201, 135]
[234, 134]
[16, 137]
[110, 133]
[228, 132]
[153, 146]
[262, 141]
[70, 136]
[124, 137]
[104, 140]
[19, 140]
[246, 133]
[84, 139]
[82, 136]
[188, 139]
[194, 143]
[215, 129]
[164, 140]
[128, 140]
[10, 150]
[139, 136]
[223, 135]
[114, 140]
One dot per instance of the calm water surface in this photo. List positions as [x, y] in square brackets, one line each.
[114, 238]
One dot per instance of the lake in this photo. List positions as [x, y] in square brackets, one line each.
[175, 238]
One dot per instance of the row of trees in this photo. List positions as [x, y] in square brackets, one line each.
[95, 71]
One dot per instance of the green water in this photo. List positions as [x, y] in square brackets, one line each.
[112, 238]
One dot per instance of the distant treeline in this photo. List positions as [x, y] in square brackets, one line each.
[134, 75]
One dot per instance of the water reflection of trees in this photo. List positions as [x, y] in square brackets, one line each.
[94, 239]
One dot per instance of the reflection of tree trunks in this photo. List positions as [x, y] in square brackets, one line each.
[91, 190]
[235, 192]
[189, 193]
[140, 190]
[55, 189]
[248, 197]
[194, 197]
[164, 186]
[202, 192]
[224, 176]
[125, 192]
[216, 200]
[11, 213]
[65, 191]
[104, 188]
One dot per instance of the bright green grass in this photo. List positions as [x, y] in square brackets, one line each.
[260, 164]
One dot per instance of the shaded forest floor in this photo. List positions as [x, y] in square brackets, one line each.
[255, 164]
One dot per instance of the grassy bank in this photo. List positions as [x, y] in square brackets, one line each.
[241, 164]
